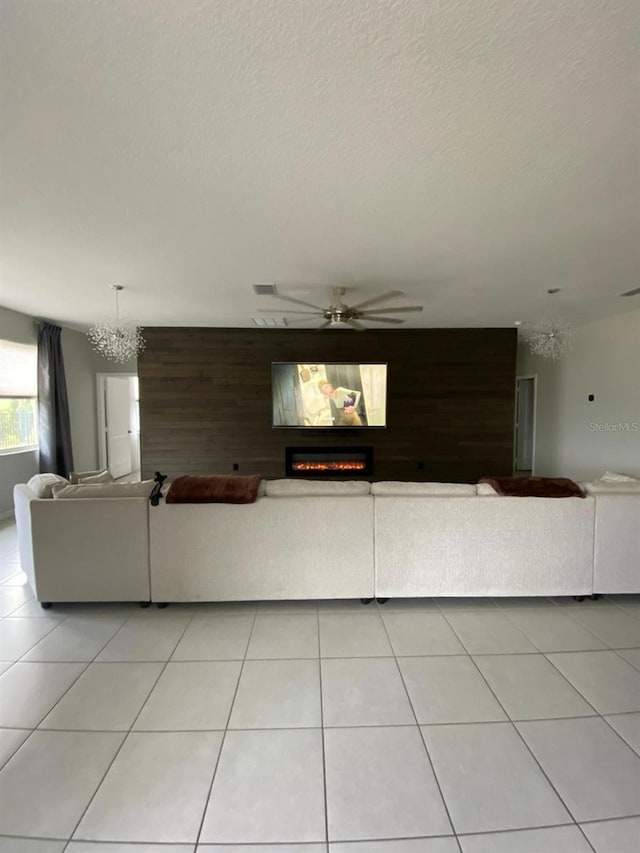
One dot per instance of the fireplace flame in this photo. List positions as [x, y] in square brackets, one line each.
[347, 465]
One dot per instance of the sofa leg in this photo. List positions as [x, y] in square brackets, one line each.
[595, 596]
[45, 605]
[145, 604]
[382, 600]
[366, 600]
[579, 597]
[162, 605]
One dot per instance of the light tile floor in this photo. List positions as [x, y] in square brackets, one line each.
[418, 726]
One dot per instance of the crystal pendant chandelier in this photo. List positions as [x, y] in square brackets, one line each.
[116, 339]
[550, 339]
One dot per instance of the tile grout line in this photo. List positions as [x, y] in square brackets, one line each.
[597, 639]
[424, 743]
[224, 735]
[526, 745]
[125, 733]
[570, 683]
[231, 844]
[12, 613]
[512, 623]
[10, 756]
[87, 664]
[607, 599]
[617, 651]
[617, 733]
[39, 640]
[592, 609]
[340, 657]
[598, 714]
[506, 654]
[409, 725]
[324, 749]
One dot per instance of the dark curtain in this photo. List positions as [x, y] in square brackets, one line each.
[53, 404]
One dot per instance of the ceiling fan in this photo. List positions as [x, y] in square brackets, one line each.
[338, 314]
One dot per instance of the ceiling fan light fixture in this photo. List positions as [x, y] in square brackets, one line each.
[340, 315]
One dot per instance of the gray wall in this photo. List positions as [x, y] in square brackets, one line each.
[81, 366]
[581, 439]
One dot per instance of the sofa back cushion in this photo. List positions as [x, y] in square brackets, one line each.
[42, 484]
[104, 476]
[104, 490]
[101, 475]
[426, 490]
[486, 490]
[316, 488]
[613, 477]
[606, 487]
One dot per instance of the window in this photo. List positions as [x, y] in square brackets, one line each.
[18, 397]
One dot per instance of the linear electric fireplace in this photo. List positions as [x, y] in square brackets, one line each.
[329, 461]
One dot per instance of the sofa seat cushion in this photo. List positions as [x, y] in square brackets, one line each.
[428, 490]
[42, 484]
[316, 488]
[104, 490]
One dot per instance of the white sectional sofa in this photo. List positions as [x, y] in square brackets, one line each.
[84, 550]
[277, 548]
[314, 539]
[474, 545]
[616, 554]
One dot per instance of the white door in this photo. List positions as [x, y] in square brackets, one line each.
[525, 423]
[118, 425]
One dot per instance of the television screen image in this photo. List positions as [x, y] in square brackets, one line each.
[329, 395]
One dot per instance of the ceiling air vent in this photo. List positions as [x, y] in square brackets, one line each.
[270, 322]
[634, 292]
[264, 289]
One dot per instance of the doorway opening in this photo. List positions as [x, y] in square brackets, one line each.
[524, 437]
[119, 424]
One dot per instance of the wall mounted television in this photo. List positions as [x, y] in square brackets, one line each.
[328, 395]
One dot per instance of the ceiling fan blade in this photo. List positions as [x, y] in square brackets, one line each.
[356, 325]
[286, 311]
[323, 325]
[379, 298]
[297, 301]
[373, 319]
[393, 310]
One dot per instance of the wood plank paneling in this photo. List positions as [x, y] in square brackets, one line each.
[205, 400]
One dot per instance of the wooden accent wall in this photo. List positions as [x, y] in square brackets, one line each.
[205, 400]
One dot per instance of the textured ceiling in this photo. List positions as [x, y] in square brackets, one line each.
[472, 153]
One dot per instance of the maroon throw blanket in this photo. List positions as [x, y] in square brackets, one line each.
[534, 487]
[213, 489]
